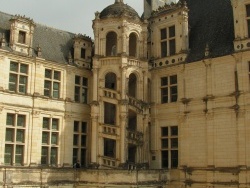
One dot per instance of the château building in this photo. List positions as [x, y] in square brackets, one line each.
[157, 100]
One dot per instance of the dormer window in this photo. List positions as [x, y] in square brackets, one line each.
[21, 37]
[83, 53]
[168, 41]
[248, 19]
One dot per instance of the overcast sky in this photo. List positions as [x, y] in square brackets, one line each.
[69, 15]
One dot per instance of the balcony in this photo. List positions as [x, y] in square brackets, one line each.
[109, 129]
[110, 93]
[110, 162]
[135, 137]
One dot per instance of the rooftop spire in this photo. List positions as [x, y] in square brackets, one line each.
[118, 1]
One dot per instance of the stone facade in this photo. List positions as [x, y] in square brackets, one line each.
[155, 102]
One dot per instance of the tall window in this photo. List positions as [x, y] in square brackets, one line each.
[22, 37]
[248, 19]
[14, 139]
[18, 77]
[109, 113]
[168, 41]
[169, 147]
[132, 44]
[81, 89]
[110, 80]
[50, 141]
[83, 53]
[169, 92]
[80, 142]
[52, 83]
[109, 148]
[111, 44]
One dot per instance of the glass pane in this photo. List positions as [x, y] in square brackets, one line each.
[164, 131]
[75, 155]
[13, 66]
[174, 98]
[45, 138]
[21, 120]
[173, 90]
[173, 79]
[56, 86]
[22, 88]
[164, 49]
[172, 47]
[44, 157]
[45, 123]
[84, 95]
[12, 86]
[55, 123]
[75, 140]
[174, 158]
[77, 80]
[53, 157]
[163, 33]
[24, 68]
[23, 80]
[164, 81]
[20, 135]
[164, 99]
[84, 127]
[10, 119]
[9, 135]
[48, 73]
[248, 10]
[83, 141]
[85, 81]
[174, 131]
[174, 142]
[171, 31]
[164, 143]
[44, 151]
[54, 137]
[77, 93]
[56, 94]
[164, 159]
[47, 84]
[13, 78]
[19, 155]
[83, 157]
[76, 127]
[8, 154]
[57, 75]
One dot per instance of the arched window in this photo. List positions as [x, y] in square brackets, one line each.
[111, 44]
[132, 85]
[110, 81]
[132, 44]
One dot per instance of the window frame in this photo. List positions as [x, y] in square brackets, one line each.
[171, 150]
[15, 86]
[14, 143]
[169, 90]
[81, 89]
[167, 41]
[52, 83]
[22, 35]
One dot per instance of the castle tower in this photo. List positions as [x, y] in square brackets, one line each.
[120, 70]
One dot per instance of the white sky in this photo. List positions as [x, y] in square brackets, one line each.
[69, 15]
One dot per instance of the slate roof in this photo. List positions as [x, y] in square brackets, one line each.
[211, 22]
[55, 44]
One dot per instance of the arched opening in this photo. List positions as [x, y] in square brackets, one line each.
[111, 44]
[132, 85]
[132, 44]
[110, 81]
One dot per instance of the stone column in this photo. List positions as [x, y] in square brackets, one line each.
[94, 138]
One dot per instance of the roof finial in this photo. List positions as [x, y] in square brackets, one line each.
[118, 1]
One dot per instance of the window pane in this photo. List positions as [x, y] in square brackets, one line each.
[22, 84]
[44, 158]
[8, 154]
[173, 79]
[173, 90]
[19, 155]
[174, 131]
[164, 49]
[85, 81]
[172, 47]
[83, 53]
[83, 141]
[76, 127]
[164, 131]
[13, 66]
[45, 123]
[54, 138]
[174, 158]
[163, 33]
[23, 80]
[248, 10]
[24, 68]
[21, 120]
[10, 119]
[12, 86]
[53, 157]
[20, 135]
[172, 31]
[164, 159]
[9, 135]
[45, 138]
[84, 127]
[84, 95]
[75, 155]
[55, 123]
[83, 157]
[174, 142]
[21, 37]
[164, 143]
[164, 81]
[77, 80]
[75, 140]
[48, 73]
[77, 93]
[57, 75]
